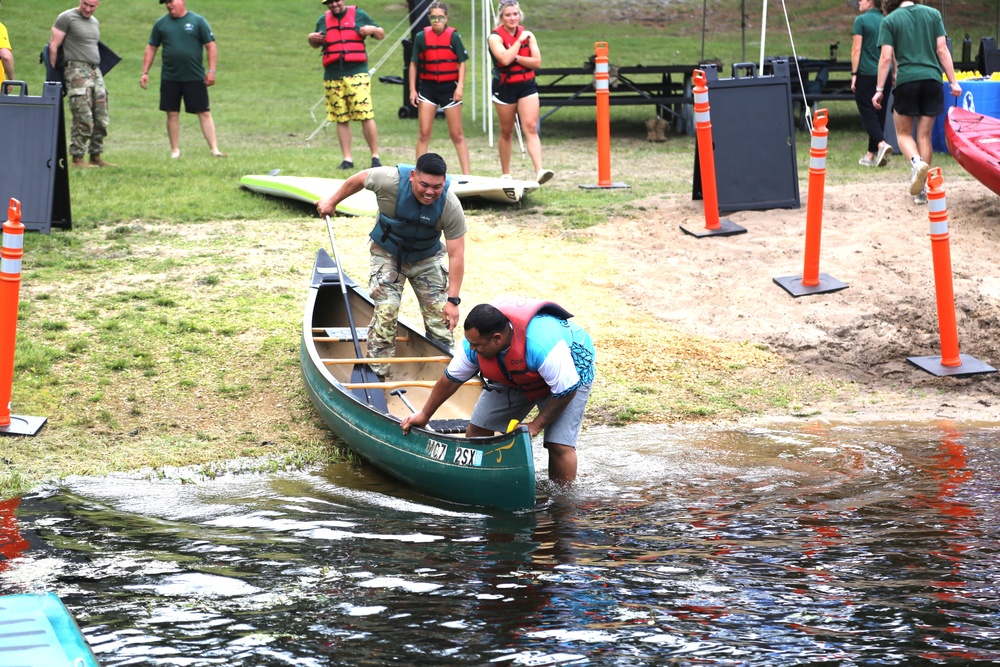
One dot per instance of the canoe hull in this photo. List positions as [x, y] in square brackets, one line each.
[496, 471]
[974, 141]
[39, 630]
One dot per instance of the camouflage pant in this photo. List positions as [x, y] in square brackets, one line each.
[429, 280]
[88, 102]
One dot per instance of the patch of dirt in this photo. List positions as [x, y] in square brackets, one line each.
[874, 239]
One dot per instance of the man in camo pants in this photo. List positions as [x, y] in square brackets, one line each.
[77, 31]
[416, 207]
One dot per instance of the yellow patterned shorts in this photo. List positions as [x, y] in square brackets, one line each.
[349, 98]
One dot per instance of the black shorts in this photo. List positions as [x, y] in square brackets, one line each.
[441, 93]
[510, 93]
[919, 98]
[194, 94]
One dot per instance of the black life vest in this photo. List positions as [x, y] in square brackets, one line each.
[438, 61]
[342, 41]
[411, 235]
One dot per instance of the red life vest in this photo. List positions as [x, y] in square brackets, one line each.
[513, 73]
[515, 371]
[438, 61]
[342, 41]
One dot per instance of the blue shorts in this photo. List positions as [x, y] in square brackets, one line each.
[919, 98]
[440, 93]
[498, 405]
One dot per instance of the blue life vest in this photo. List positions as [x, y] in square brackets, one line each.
[412, 234]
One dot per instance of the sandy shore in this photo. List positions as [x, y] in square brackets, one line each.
[875, 240]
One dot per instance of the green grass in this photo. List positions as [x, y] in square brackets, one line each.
[269, 79]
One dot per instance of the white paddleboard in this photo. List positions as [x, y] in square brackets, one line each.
[311, 189]
[501, 190]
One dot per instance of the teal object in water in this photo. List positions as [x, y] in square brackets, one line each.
[496, 471]
[36, 630]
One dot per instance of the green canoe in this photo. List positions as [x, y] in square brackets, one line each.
[365, 412]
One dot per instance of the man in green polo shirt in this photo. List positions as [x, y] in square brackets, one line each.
[183, 35]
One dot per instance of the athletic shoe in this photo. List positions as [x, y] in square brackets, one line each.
[866, 161]
[346, 164]
[544, 176]
[376, 162]
[506, 177]
[882, 158]
[918, 176]
[921, 197]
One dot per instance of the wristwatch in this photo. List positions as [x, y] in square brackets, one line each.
[454, 300]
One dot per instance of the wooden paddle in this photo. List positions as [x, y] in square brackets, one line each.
[362, 374]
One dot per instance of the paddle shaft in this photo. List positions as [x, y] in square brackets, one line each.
[350, 316]
[406, 401]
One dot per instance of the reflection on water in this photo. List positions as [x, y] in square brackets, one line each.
[821, 545]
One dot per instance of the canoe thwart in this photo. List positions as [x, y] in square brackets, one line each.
[426, 384]
[387, 360]
[343, 335]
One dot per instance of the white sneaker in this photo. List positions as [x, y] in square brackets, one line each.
[918, 176]
[882, 157]
[544, 176]
[921, 198]
[506, 177]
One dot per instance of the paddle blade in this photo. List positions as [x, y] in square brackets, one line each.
[373, 397]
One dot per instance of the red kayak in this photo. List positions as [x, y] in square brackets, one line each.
[974, 141]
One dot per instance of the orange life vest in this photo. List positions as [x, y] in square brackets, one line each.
[342, 41]
[514, 372]
[513, 73]
[438, 61]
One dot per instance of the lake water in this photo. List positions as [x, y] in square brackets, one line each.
[809, 545]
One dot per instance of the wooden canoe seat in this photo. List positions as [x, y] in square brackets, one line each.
[338, 334]
[449, 426]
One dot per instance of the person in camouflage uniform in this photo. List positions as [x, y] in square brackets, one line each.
[416, 208]
[77, 32]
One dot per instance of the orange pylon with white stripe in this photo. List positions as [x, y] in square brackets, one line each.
[10, 291]
[714, 226]
[812, 281]
[951, 362]
[602, 95]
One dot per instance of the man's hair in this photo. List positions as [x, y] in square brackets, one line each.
[486, 319]
[433, 164]
[889, 6]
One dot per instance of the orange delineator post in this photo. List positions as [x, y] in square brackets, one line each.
[706, 159]
[814, 207]
[951, 362]
[703, 130]
[937, 212]
[603, 95]
[812, 281]
[10, 288]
